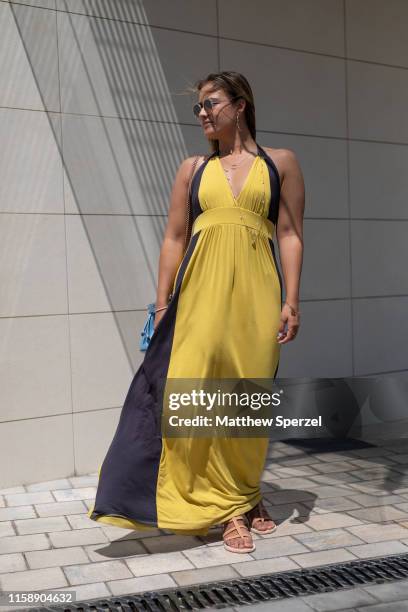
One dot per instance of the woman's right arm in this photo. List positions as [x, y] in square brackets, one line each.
[172, 249]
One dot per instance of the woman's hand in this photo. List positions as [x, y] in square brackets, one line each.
[292, 321]
[157, 318]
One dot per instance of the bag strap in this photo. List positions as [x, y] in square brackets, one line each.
[189, 207]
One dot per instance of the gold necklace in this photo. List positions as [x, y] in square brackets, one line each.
[228, 170]
[236, 165]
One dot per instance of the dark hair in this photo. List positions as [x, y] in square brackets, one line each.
[236, 86]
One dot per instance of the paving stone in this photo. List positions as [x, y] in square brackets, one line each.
[281, 547]
[162, 563]
[207, 556]
[284, 472]
[17, 512]
[287, 528]
[395, 606]
[290, 451]
[335, 504]
[380, 514]
[389, 591]
[83, 481]
[56, 557]
[330, 457]
[336, 478]
[378, 472]
[271, 476]
[12, 562]
[2, 501]
[396, 446]
[303, 460]
[366, 500]
[33, 580]
[290, 604]
[370, 452]
[97, 572]
[113, 533]
[379, 533]
[337, 466]
[81, 521]
[342, 599]
[6, 529]
[265, 566]
[329, 538]
[378, 549]
[324, 492]
[78, 537]
[374, 463]
[60, 508]
[276, 455]
[386, 475]
[121, 548]
[138, 585]
[323, 557]
[62, 483]
[331, 520]
[401, 458]
[12, 490]
[24, 499]
[171, 543]
[205, 574]
[375, 487]
[15, 607]
[42, 525]
[397, 480]
[74, 494]
[12, 544]
[289, 497]
[297, 483]
[85, 592]
[285, 511]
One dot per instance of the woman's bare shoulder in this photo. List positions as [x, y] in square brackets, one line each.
[189, 161]
[280, 154]
[283, 159]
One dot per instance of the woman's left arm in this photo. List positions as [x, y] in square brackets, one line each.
[289, 234]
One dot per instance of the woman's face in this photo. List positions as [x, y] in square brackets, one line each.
[221, 118]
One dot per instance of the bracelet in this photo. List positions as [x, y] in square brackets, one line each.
[157, 309]
[293, 312]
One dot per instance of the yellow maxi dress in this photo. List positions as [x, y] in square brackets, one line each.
[222, 322]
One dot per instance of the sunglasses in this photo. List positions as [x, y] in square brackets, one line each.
[208, 105]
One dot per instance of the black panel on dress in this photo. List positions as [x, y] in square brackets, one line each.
[275, 186]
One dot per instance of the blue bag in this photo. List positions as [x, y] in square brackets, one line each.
[147, 331]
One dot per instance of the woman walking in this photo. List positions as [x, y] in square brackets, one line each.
[225, 319]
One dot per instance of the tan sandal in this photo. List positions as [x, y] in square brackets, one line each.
[238, 531]
[258, 518]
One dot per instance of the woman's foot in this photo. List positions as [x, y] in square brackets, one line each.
[236, 535]
[259, 520]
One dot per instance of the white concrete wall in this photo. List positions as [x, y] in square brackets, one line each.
[92, 130]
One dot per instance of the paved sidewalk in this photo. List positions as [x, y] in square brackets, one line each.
[330, 507]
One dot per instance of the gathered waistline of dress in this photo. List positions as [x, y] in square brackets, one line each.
[235, 215]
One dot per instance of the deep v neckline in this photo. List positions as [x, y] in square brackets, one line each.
[236, 198]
